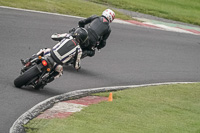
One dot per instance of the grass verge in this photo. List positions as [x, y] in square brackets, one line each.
[81, 8]
[165, 108]
[180, 10]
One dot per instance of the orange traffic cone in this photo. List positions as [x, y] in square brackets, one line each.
[110, 98]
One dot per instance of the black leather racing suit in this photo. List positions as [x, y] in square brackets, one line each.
[98, 31]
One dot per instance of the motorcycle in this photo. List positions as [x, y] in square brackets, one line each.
[39, 69]
[36, 73]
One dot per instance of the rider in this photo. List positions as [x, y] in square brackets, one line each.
[98, 31]
[69, 47]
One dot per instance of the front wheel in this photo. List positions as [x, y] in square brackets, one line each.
[26, 77]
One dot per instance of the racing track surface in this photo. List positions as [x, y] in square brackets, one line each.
[133, 55]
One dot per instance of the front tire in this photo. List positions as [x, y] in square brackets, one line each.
[26, 77]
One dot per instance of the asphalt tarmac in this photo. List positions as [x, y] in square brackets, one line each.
[133, 55]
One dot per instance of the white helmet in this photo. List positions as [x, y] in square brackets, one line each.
[109, 14]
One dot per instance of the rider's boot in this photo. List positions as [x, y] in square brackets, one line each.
[52, 77]
[58, 37]
[89, 53]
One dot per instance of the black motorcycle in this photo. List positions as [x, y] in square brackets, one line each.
[36, 73]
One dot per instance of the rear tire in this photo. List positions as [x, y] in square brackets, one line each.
[26, 77]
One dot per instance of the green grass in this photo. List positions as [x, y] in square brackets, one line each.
[70, 7]
[181, 10]
[161, 109]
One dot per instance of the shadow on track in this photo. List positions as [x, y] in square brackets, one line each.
[80, 72]
[46, 91]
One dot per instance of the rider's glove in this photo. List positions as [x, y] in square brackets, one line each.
[81, 24]
[72, 30]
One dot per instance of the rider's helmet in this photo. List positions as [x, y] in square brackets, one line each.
[81, 35]
[109, 14]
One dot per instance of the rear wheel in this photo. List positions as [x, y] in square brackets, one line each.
[26, 77]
